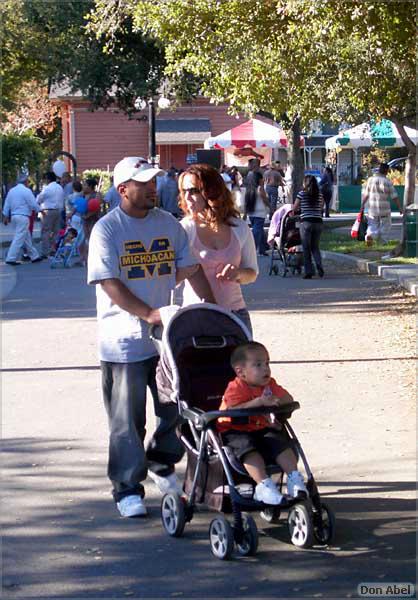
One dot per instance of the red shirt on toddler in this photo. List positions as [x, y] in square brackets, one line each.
[238, 392]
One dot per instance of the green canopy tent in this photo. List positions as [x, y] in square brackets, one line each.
[380, 134]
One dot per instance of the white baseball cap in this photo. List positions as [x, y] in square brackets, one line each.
[136, 168]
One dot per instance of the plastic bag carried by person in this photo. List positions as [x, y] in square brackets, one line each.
[359, 228]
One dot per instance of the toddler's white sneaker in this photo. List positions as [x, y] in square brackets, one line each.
[267, 492]
[295, 484]
[168, 484]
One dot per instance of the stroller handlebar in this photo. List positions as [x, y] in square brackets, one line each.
[202, 419]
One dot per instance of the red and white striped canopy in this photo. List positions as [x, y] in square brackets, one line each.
[254, 133]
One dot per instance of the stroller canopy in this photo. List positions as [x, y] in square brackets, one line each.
[200, 321]
[202, 334]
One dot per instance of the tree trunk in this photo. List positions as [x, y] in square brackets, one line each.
[295, 157]
[409, 193]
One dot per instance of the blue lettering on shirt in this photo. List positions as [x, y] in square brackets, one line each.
[140, 262]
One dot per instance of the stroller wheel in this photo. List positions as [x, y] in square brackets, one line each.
[324, 524]
[173, 514]
[300, 526]
[221, 538]
[249, 544]
[271, 514]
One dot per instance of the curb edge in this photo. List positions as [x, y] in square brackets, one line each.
[375, 268]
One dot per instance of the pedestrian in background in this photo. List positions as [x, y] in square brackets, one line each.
[18, 207]
[70, 200]
[226, 177]
[236, 178]
[112, 197]
[51, 203]
[326, 186]
[272, 180]
[94, 208]
[66, 182]
[378, 192]
[256, 208]
[309, 203]
[168, 194]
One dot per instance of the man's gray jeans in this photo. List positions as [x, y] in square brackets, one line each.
[124, 393]
[50, 227]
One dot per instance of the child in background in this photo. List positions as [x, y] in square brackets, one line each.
[79, 210]
[70, 200]
[261, 440]
[70, 236]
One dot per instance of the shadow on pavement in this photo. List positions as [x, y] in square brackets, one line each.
[58, 498]
[339, 292]
[44, 293]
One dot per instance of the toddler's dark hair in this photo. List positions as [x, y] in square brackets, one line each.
[240, 354]
[77, 187]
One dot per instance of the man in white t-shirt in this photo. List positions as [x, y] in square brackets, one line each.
[51, 201]
[137, 255]
[226, 177]
[17, 208]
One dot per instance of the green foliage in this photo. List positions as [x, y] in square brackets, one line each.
[49, 41]
[102, 177]
[321, 59]
[20, 152]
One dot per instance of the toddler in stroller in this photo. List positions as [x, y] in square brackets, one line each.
[286, 243]
[66, 254]
[194, 371]
[262, 439]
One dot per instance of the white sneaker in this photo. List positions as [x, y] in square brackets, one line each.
[295, 484]
[168, 484]
[131, 506]
[267, 492]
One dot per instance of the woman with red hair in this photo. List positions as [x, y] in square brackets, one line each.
[222, 242]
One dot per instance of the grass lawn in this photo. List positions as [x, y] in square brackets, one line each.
[334, 242]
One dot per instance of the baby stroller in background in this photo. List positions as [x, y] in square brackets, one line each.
[287, 251]
[194, 370]
[67, 248]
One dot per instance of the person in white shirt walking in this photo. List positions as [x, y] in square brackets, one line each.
[226, 177]
[377, 193]
[18, 207]
[51, 201]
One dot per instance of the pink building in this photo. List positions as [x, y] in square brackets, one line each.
[101, 138]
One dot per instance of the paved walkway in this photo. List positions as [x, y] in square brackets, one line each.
[403, 275]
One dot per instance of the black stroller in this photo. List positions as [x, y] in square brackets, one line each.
[194, 370]
[287, 252]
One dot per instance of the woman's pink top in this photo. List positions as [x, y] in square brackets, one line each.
[227, 293]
